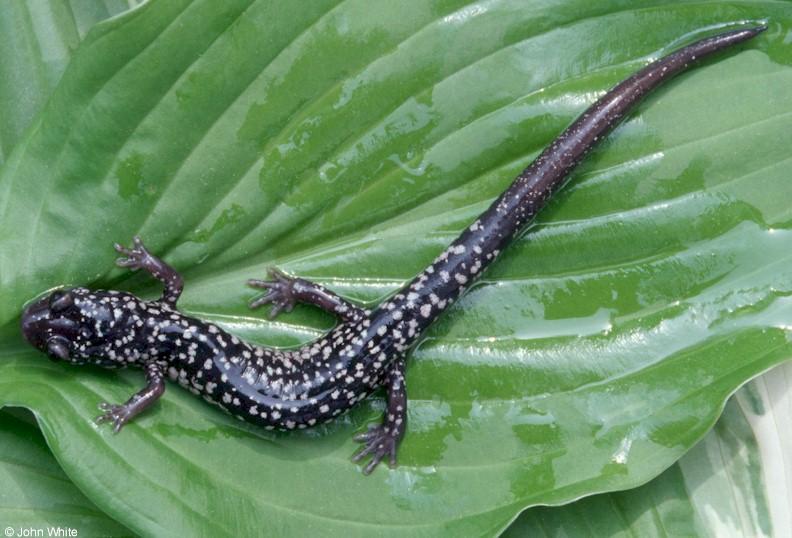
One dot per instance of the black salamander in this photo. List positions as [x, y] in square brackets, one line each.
[289, 389]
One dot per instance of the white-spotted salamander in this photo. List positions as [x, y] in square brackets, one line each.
[287, 389]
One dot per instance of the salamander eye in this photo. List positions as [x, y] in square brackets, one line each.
[60, 301]
[57, 348]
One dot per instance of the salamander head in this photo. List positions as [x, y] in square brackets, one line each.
[67, 324]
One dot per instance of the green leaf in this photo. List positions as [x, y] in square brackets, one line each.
[348, 143]
[36, 493]
[36, 41]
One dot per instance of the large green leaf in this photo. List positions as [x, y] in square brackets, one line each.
[349, 142]
[36, 493]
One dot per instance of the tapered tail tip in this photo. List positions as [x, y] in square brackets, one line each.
[743, 34]
[758, 29]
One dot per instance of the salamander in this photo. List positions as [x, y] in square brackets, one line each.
[288, 389]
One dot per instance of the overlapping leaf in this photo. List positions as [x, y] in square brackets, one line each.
[348, 142]
[36, 494]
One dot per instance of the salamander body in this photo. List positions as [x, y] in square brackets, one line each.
[290, 389]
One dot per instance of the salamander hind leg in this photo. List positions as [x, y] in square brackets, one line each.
[285, 291]
[119, 415]
[138, 257]
[383, 439]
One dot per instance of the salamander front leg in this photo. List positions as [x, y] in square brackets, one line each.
[286, 291]
[138, 257]
[120, 415]
[383, 439]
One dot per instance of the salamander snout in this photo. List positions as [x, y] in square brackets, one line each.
[47, 324]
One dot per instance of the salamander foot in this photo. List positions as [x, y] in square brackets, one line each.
[137, 257]
[119, 415]
[380, 441]
[281, 292]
